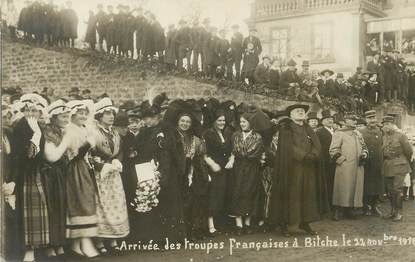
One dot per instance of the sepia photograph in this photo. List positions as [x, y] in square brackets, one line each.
[207, 130]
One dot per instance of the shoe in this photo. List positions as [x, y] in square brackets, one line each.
[306, 227]
[368, 211]
[248, 230]
[397, 217]
[376, 212]
[337, 215]
[238, 231]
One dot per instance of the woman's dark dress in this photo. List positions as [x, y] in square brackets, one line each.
[246, 174]
[220, 152]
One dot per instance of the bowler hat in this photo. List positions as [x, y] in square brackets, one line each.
[326, 114]
[312, 115]
[291, 62]
[121, 119]
[292, 107]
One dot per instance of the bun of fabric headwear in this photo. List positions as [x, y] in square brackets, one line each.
[58, 107]
[33, 99]
[75, 105]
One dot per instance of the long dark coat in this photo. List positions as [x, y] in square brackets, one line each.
[90, 36]
[70, 23]
[251, 56]
[374, 180]
[171, 48]
[246, 174]
[159, 37]
[237, 46]
[299, 190]
[329, 166]
[166, 220]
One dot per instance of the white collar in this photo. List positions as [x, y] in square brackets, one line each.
[246, 134]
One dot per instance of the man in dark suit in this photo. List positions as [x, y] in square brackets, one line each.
[252, 49]
[196, 33]
[102, 21]
[289, 80]
[324, 134]
[262, 71]
[110, 29]
[223, 49]
[183, 40]
[237, 50]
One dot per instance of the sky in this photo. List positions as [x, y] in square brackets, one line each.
[221, 12]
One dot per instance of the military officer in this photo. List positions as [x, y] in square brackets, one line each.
[397, 153]
[374, 180]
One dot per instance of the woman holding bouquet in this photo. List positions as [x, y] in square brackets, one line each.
[245, 181]
[80, 185]
[161, 144]
[196, 178]
[111, 203]
[219, 148]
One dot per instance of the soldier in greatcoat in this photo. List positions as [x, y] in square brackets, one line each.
[349, 150]
[374, 181]
[110, 30]
[397, 153]
[223, 50]
[171, 48]
[70, 21]
[205, 46]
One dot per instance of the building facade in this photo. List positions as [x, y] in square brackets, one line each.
[336, 34]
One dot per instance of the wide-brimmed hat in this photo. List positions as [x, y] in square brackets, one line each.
[292, 107]
[327, 71]
[326, 114]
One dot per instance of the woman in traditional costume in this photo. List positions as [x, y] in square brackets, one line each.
[196, 178]
[80, 185]
[30, 192]
[53, 175]
[111, 204]
[246, 176]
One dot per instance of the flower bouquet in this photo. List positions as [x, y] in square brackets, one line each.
[148, 188]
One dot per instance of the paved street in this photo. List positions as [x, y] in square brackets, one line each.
[357, 240]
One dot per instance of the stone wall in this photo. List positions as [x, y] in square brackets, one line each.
[33, 68]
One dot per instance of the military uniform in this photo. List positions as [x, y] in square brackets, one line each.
[397, 152]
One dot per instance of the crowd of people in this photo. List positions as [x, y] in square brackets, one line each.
[80, 173]
[197, 48]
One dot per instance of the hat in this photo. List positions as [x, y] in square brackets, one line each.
[105, 104]
[338, 119]
[151, 111]
[75, 105]
[370, 114]
[305, 63]
[388, 119]
[74, 89]
[292, 107]
[58, 107]
[312, 115]
[34, 99]
[339, 75]
[266, 57]
[327, 71]
[134, 113]
[326, 114]
[121, 119]
[86, 91]
[161, 100]
[291, 62]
